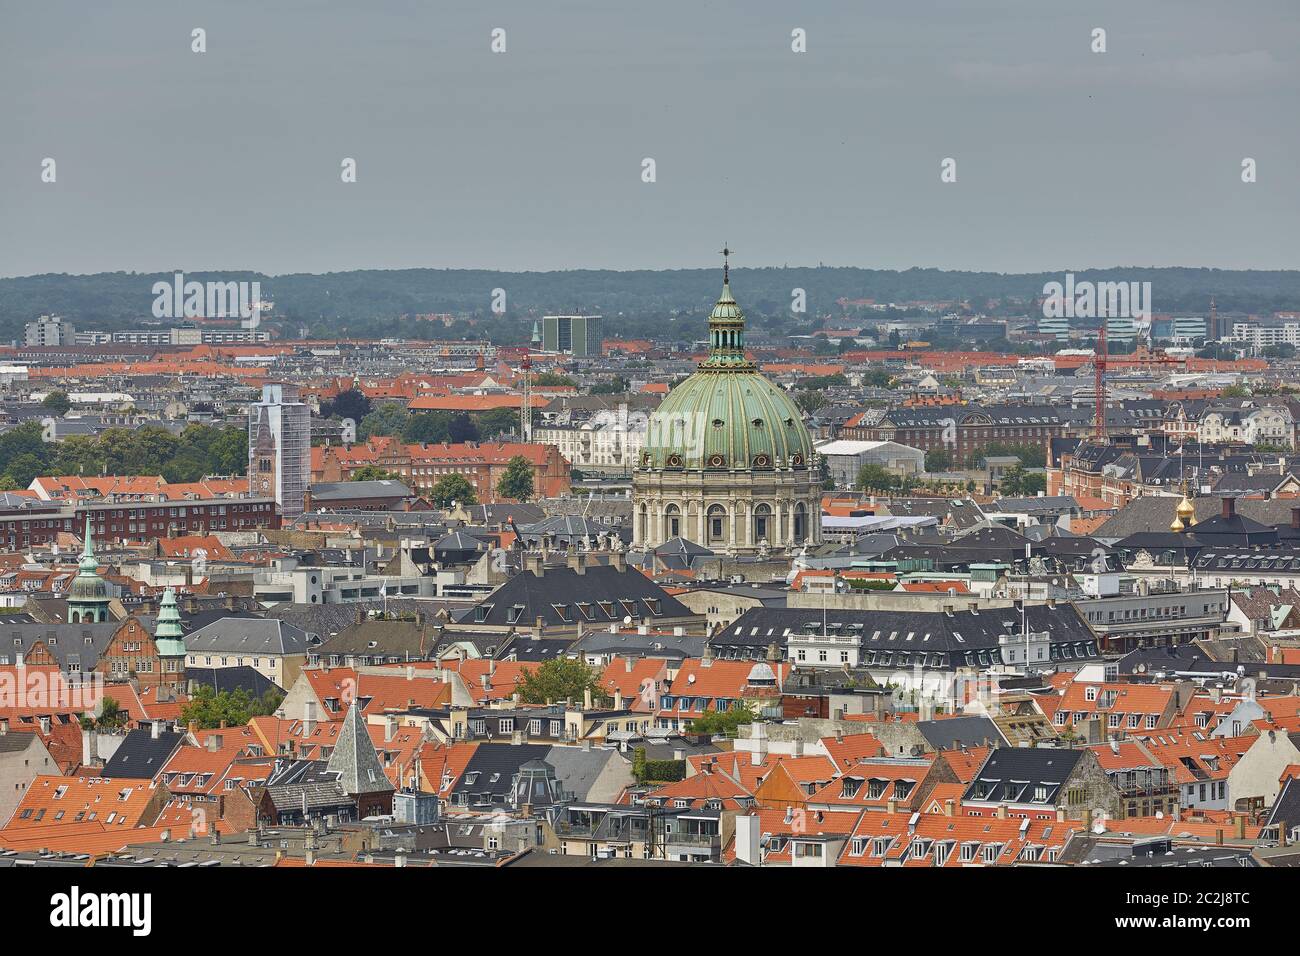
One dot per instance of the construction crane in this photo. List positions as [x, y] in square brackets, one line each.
[526, 410]
[1099, 372]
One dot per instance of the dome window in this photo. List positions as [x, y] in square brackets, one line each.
[674, 461]
[796, 460]
[758, 423]
[761, 461]
[789, 423]
[716, 461]
[718, 423]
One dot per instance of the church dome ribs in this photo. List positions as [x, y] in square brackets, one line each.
[726, 459]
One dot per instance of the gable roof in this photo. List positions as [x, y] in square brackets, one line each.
[141, 755]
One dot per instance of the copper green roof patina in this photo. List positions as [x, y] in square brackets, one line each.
[88, 588]
[727, 417]
[168, 634]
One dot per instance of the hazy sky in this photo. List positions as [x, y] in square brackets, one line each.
[531, 159]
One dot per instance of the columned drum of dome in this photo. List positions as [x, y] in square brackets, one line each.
[727, 462]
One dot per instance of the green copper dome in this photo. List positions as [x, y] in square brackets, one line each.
[727, 417]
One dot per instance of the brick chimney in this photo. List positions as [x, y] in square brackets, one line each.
[1229, 507]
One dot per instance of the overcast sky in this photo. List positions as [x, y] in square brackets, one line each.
[531, 159]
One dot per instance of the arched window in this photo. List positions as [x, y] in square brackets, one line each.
[673, 516]
[762, 523]
[800, 522]
[717, 524]
[644, 520]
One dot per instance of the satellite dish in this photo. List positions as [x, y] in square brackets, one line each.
[627, 620]
[690, 678]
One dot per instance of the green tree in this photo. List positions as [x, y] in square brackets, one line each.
[374, 473]
[111, 714]
[427, 427]
[209, 708]
[388, 419]
[351, 404]
[189, 464]
[517, 480]
[725, 723]
[552, 378]
[453, 488]
[229, 452]
[872, 476]
[58, 403]
[937, 459]
[498, 421]
[462, 429]
[23, 469]
[558, 679]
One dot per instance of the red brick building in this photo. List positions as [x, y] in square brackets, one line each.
[421, 466]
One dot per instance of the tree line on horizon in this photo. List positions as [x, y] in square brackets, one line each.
[634, 304]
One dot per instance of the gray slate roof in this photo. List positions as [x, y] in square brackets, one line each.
[239, 635]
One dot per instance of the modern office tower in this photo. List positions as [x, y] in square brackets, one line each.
[49, 330]
[577, 335]
[279, 448]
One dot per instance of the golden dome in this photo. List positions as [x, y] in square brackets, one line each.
[1176, 525]
[1186, 510]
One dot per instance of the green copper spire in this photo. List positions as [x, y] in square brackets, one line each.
[167, 633]
[88, 594]
[88, 560]
[726, 328]
[169, 617]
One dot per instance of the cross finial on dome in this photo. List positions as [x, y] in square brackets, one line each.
[725, 265]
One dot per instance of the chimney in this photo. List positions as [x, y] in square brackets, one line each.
[214, 742]
[1002, 811]
[390, 727]
[747, 840]
[1240, 826]
[155, 729]
[618, 700]
[586, 699]
[1295, 518]
[628, 664]
[1229, 506]
[308, 718]
[891, 806]
[948, 807]
[576, 563]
